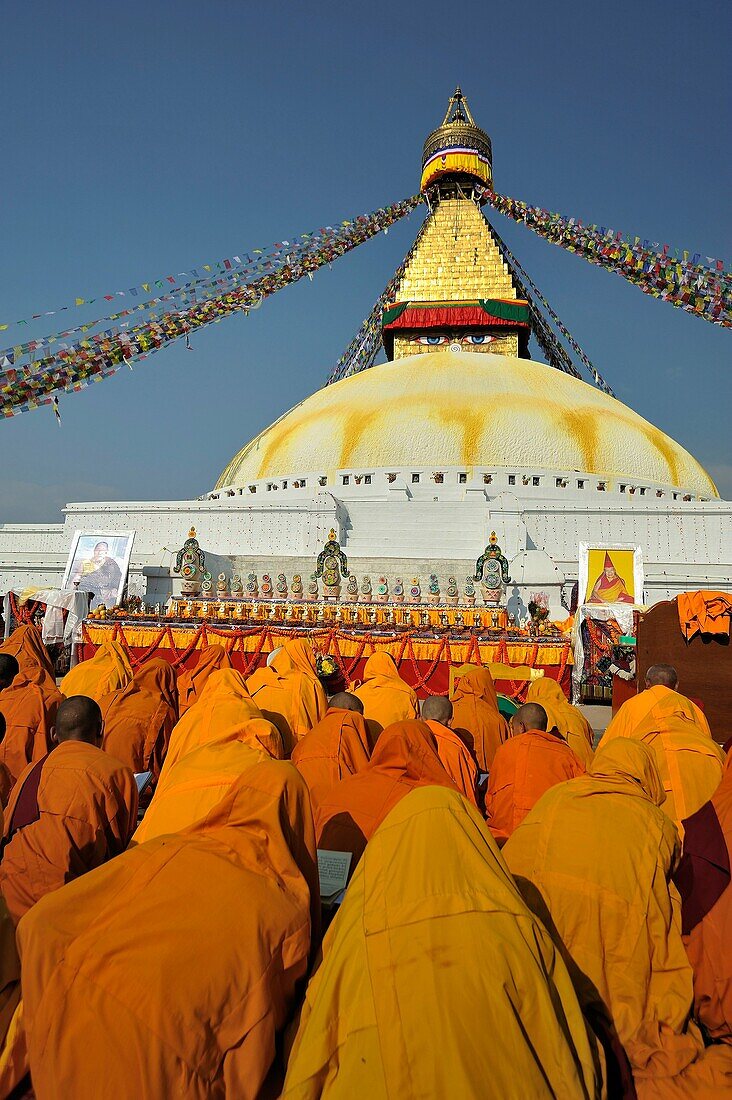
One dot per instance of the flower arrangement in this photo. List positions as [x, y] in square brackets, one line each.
[325, 665]
[539, 607]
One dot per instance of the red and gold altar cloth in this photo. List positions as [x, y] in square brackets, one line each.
[424, 663]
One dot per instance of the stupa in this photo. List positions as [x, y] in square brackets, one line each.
[414, 462]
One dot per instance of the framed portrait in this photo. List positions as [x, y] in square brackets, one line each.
[610, 573]
[98, 563]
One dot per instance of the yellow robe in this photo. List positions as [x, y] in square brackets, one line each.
[569, 720]
[385, 696]
[594, 859]
[224, 704]
[399, 1009]
[634, 711]
[108, 670]
[289, 693]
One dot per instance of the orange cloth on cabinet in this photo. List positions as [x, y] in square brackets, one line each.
[569, 720]
[400, 1005]
[289, 693]
[108, 670]
[191, 683]
[139, 718]
[223, 705]
[338, 746]
[385, 696]
[704, 613]
[476, 715]
[634, 711]
[86, 812]
[457, 759]
[405, 757]
[113, 1001]
[593, 859]
[524, 768]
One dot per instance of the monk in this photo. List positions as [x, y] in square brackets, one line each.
[69, 812]
[13, 1051]
[476, 717]
[455, 757]
[289, 693]
[26, 645]
[385, 696]
[224, 703]
[593, 860]
[405, 757]
[191, 683]
[610, 586]
[108, 670]
[524, 767]
[569, 721]
[6, 781]
[139, 718]
[436, 979]
[29, 714]
[338, 746]
[172, 970]
[661, 682]
[703, 879]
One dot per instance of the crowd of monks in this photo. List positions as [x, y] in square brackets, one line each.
[527, 915]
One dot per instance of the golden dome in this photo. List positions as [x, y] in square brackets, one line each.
[466, 409]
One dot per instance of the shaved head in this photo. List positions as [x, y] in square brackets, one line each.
[343, 700]
[662, 676]
[531, 716]
[79, 719]
[9, 669]
[438, 708]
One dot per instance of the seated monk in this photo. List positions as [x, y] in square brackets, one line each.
[13, 1050]
[524, 767]
[223, 704]
[385, 696]
[569, 721]
[26, 645]
[6, 781]
[703, 879]
[405, 757]
[338, 746]
[29, 709]
[289, 693]
[662, 682]
[476, 717]
[191, 682]
[593, 860]
[172, 970]
[108, 670]
[455, 757]
[437, 980]
[69, 812]
[139, 718]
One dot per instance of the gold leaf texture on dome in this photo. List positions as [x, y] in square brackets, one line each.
[466, 410]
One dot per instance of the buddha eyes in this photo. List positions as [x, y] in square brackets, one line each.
[455, 338]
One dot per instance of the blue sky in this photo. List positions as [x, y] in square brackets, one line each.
[145, 138]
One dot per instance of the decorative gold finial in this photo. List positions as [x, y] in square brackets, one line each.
[192, 533]
[493, 539]
[458, 151]
[331, 536]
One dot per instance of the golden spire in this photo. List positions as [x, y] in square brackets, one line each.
[458, 151]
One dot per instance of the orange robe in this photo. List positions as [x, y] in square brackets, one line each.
[83, 812]
[568, 720]
[634, 711]
[171, 971]
[224, 705]
[437, 981]
[139, 718]
[594, 860]
[29, 705]
[338, 746]
[524, 768]
[108, 670]
[405, 757]
[13, 1049]
[689, 761]
[477, 717]
[705, 881]
[191, 683]
[289, 693]
[456, 759]
[385, 696]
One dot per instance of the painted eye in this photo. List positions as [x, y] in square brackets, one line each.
[433, 340]
[480, 338]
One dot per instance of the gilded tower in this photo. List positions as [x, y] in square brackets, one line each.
[456, 290]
